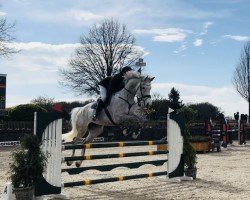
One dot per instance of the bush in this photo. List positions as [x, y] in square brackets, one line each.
[28, 163]
[189, 156]
[188, 113]
[24, 112]
[189, 152]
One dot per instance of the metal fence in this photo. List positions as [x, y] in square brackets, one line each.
[13, 126]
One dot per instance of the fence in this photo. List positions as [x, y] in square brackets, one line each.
[12, 126]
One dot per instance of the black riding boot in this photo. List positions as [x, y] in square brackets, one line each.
[99, 107]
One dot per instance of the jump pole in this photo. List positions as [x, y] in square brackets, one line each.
[49, 130]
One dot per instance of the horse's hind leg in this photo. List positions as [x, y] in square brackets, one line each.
[75, 141]
[94, 131]
[78, 139]
[68, 163]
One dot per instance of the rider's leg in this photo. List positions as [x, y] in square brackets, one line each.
[100, 102]
[103, 93]
[99, 107]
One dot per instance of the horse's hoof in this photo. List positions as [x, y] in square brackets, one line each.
[68, 163]
[78, 164]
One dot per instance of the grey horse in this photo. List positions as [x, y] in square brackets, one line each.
[121, 108]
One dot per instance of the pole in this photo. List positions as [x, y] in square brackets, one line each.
[140, 64]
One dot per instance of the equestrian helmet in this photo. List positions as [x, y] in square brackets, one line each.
[126, 69]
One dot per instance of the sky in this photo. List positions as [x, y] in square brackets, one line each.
[193, 46]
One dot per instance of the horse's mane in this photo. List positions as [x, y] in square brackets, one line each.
[134, 75]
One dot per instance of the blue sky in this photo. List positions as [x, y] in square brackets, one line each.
[193, 45]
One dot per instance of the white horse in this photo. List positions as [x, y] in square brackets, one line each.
[120, 109]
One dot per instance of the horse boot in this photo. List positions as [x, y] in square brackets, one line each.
[99, 107]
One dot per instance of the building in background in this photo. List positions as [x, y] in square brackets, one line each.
[2, 95]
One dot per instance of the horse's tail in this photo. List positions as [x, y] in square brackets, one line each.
[68, 137]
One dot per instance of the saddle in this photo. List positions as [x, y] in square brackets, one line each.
[103, 104]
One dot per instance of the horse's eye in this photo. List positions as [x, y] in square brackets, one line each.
[143, 88]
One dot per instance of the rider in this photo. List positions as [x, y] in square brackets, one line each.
[109, 86]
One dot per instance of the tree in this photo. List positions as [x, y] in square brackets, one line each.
[44, 101]
[241, 76]
[174, 99]
[6, 37]
[159, 107]
[205, 111]
[108, 47]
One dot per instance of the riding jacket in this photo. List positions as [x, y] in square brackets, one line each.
[113, 84]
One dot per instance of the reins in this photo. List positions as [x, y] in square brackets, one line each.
[139, 99]
[130, 105]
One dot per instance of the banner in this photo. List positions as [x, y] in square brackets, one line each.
[2, 92]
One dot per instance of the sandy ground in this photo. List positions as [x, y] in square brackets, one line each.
[223, 175]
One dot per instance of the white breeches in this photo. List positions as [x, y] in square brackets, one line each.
[103, 93]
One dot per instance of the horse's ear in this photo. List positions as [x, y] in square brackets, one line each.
[145, 78]
[139, 70]
[152, 79]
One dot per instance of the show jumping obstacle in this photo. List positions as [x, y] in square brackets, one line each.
[48, 128]
[226, 129]
[222, 131]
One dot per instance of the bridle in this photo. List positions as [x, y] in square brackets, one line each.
[130, 105]
[142, 97]
[139, 99]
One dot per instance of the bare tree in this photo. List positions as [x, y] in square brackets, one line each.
[6, 36]
[241, 76]
[108, 47]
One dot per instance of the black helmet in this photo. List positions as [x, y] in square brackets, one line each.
[126, 69]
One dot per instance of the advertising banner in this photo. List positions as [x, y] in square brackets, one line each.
[2, 92]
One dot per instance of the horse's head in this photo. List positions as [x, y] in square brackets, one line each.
[132, 80]
[143, 92]
[139, 85]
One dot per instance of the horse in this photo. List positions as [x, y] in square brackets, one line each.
[120, 109]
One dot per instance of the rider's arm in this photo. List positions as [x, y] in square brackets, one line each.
[113, 86]
[115, 83]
